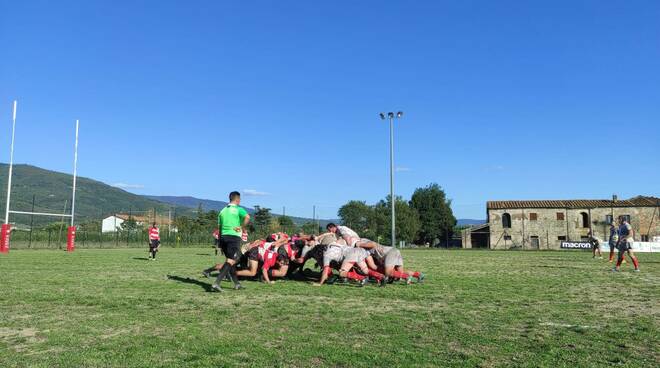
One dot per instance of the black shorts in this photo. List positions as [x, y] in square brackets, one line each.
[154, 244]
[231, 246]
[624, 246]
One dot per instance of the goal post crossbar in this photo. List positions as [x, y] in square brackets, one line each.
[41, 214]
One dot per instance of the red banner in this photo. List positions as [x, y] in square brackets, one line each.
[5, 232]
[71, 239]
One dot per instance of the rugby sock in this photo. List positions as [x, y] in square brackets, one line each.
[377, 275]
[618, 262]
[354, 275]
[635, 262]
[328, 271]
[415, 274]
[611, 256]
[399, 275]
[224, 270]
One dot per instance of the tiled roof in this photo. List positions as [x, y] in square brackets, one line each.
[639, 201]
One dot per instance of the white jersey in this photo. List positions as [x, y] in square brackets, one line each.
[333, 253]
[348, 234]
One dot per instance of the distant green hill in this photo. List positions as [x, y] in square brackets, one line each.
[52, 191]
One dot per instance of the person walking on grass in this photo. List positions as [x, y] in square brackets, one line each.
[614, 239]
[154, 241]
[595, 244]
[231, 221]
[626, 237]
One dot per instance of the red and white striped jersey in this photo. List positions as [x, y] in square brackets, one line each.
[270, 258]
[154, 233]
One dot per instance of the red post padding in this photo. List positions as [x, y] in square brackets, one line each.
[4, 238]
[71, 239]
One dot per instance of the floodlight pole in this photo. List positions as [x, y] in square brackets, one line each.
[392, 201]
[11, 162]
[75, 172]
[391, 117]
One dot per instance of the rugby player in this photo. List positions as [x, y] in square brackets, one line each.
[349, 258]
[595, 244]
[626, 237]
[614, 239]
[389, 261]
[154, 241]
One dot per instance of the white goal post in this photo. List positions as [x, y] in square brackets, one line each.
[6, 227]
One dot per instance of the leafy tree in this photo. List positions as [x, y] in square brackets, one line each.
[53, 226]
[436, 216]
[129, 225]
[261, 217]
[286, 224]
[184, 224]
[360, 217]
[310, 228]
[407, 220]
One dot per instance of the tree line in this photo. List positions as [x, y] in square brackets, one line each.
[425, 218]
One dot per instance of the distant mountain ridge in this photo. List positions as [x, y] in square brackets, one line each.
[192, 202]
[464, 222]
[52, 192]
[210, 204]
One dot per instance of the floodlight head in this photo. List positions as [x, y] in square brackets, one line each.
[382, 116]
[399, 114]
[390, 115]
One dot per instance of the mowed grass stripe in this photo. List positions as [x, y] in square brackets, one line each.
[99, 308]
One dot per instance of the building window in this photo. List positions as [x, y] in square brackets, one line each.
[645, 238]
[609, 219]
[626, 217]
[507, 237]
[561, 237]
[560, 216]
[535, 241]
[506, 221]
[533, 216]
[585, 219]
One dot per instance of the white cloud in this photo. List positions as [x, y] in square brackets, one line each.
[128, 186]
[402, 169]
[254, 193]
[495, 168]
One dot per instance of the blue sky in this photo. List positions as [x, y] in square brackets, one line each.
[502, 99]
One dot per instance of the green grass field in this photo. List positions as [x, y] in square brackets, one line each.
[103, 308]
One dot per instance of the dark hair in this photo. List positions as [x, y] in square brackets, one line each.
[270, 239]
[154, 225]
[328, 226]
[234, 195]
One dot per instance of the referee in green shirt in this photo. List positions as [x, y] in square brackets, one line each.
[231, 221]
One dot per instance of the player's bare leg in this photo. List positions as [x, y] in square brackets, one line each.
[251, 271]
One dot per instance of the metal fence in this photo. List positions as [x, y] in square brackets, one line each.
[55, 239]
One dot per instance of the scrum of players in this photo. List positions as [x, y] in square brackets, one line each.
[341, 255]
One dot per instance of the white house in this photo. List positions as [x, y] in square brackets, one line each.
[113, 223]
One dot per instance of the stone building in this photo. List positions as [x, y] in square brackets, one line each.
[544, 224]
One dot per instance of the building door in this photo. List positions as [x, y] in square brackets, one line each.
[535, 242]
